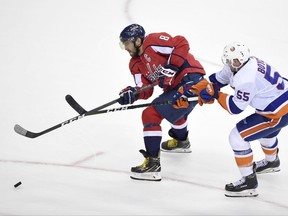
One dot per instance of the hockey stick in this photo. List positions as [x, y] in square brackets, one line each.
[76, 106]
[122, 108]
[20, 130]
[79, 109]
[131, 106]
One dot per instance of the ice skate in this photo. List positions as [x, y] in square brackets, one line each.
[265, 166]
[149, 170]
[245, 187]
[175, 145]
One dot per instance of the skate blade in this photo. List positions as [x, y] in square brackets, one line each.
[270, 170]
[151, 176]
[244, 193]
[177, 150]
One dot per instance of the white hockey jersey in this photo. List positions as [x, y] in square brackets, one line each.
[256, 84]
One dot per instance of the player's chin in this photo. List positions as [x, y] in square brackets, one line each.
[133, 54]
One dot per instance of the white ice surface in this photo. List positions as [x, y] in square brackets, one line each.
[50, 48]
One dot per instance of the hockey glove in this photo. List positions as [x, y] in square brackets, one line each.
[186, 91]
[127, 96]
[208, 94]
[166, 75]
[179, 100]
[181, 103]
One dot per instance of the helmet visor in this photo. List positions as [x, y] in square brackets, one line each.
[124, 44]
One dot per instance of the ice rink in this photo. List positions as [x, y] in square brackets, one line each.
[51, 48]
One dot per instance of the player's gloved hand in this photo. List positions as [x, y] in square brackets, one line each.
[179, 100]
[181, 103]
[127, 96]
[208, 94]
[186, 91]
[166, 75]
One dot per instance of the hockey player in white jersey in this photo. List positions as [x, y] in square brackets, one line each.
[259, 85]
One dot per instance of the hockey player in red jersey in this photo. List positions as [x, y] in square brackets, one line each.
[259, 85]
[164, 60]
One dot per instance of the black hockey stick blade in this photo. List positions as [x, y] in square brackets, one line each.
[76, 106]
[22, 131]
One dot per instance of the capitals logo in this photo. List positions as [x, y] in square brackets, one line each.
[152, 73]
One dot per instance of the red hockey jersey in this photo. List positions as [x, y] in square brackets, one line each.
[160, 49]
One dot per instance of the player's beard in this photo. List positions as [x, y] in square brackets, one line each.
[134, 53]
[234, 70]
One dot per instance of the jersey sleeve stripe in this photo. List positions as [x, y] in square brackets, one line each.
[226, 101]
[162, 49]
[233, 107]
[222, 100]
[138, 80]
[213, 79]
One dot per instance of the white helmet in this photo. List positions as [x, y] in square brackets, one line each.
[235, 50]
